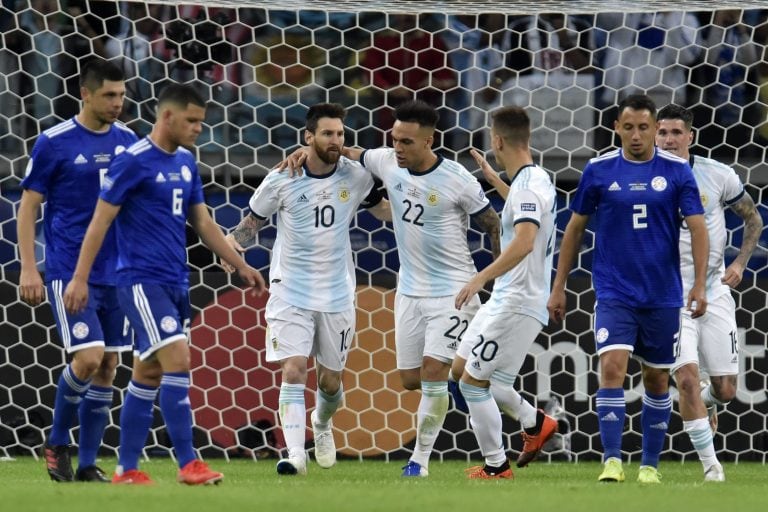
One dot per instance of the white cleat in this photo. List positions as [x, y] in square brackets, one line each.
[325, 446]
[293, 465]
[714, 473]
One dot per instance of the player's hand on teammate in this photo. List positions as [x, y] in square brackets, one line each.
[556, 306]
[470, 289]
[76, 296]
[697, 301]
[31, 287]
[733, 274]
[293, 162]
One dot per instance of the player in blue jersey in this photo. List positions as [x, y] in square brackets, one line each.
[67, 165]
[312, 248]
[636, 194]
[150, 191]
[709, 342]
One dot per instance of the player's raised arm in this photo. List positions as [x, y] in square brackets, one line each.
[31, 288]
[490, 175]
[76, 293]
[569, 249]
[213, 238]
[697, 297]
[753, 226]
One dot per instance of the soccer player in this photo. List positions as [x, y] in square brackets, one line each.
[637, 194]
[709, 342]
[150, 191]
[66, 168]
[432, 199]
[312, 249]
[501, 334]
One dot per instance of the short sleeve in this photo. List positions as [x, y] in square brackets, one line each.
[374, 160]
[472, 198]
[526, 207]
[122, 178]
[733, 188]
[587, 195]
[689, 197]
[265, 201]
[41, 167]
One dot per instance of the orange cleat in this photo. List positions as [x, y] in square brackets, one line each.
[197, 472]
[532, 444]
[481, 473]
[132, 477]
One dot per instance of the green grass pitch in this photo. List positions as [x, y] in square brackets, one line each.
[378, 486]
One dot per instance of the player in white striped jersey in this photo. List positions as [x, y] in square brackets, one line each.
[311, 309]
[501, 334]
[709, 343]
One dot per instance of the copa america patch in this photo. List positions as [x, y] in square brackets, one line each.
[527, 207]
[80, 330]
[168, 324]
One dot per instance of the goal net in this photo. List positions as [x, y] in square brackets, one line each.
[263, 63]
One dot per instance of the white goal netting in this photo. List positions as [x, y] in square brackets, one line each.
[263, 63]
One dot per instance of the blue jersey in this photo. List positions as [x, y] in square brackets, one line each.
[155, 190]
[637, 226]
[67, 166]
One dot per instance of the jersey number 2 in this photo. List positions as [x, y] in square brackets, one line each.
[640, 216]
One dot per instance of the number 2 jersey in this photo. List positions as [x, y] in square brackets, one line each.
[67, 165]
[311, 265]
[637, 207]
[155, 190]
[430, 213]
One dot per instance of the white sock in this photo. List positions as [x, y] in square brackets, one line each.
[701, 437]
[293, 416]
[326, 407]
[512, 404]
[708, 398]
[485, 419]
[432, 410]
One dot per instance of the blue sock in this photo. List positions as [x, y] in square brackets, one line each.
[655, 421]
[69, 393]
[135, 421]
[611, 410]
[94, 417]
[177, 413]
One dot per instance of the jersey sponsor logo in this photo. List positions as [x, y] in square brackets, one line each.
[527, 207]
[638, 187]
[80, 159]
[659, 183]
[303, 199]
[168, 324]
[432, 198]
[186, 174]
[344, 195]
[602, 335]
[80, 330]
[160, 178]
[615, 187]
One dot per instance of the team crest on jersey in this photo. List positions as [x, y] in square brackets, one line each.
[704, 200]
[186, 174]
[168, 324]
[119, 149]
[80, 330]
[659, 183]
[344, 194]
[432, 198]
[601, 335]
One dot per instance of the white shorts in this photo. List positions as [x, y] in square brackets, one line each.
[711, 341]
[429, 326]
[498, 343]
[295, 331]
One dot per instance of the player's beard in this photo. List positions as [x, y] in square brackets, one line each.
[329, 157]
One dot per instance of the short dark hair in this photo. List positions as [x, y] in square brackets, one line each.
[512, 124]
[417, 111]
[638, 102]
[320, 110]
[180, 95]
[673, 112]
[95, 71]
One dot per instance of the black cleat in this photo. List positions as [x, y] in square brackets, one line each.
[58, 463]
[91, 474]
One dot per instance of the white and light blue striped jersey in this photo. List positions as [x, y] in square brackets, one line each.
[430, 213]
[155, 190]
[525, 288]
[67, 165]
[311, 266]
[719, 186]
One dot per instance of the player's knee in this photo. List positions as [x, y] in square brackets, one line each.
[411, 379]
[294, 372]
[457, 368]
[329, 382]
[86, 363]
[687, 382]
[724, 389]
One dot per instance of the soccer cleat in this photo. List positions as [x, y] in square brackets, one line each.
[649, 475]
[132, 477]
[486, 472]
[91, 474]
[292, 466]
[414, 469]
[458, 399]
[532, 444]
[325, 447]
[612, 471]
[58, 462]
[714, 473]
[197, 472]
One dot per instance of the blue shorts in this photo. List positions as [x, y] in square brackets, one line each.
[651, 334]
[101, 324]
[159, 315]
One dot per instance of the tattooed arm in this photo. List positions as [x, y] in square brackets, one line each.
[488, 220]
[753, 226]
[243, 236]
